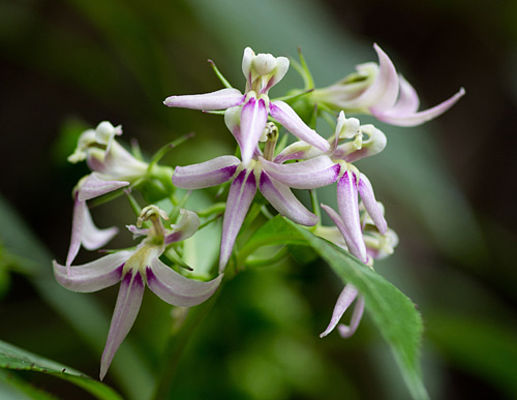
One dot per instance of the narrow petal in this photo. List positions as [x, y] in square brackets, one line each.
[176, 289]
[408, 101]
[348, 206]
[253, 121]
[285, 202]
[232, 119]
[137, 232]
[297, 151]
[347, 331]
[93, 238]
[80, 208]
[336, 218]
[284, 114]
[187, 225]
[128, 304]
[94, 186]
[386, 84]
[205, 174]
[218, 100]
[414, 119]
[93, 276]
[241, 194]
[373, 208]
[310, 174]
[247, 58]
[346, 297]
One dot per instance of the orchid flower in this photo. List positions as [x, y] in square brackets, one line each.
[351, 142]
[113, 168]
[378, 245]
[135, 269]
[262, 72]
[378, 90]
[273, 179]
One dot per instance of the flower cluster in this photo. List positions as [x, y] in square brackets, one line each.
[260, 126]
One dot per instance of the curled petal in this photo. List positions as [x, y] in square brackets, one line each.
[85, 232]
[347, 331]
[338, 221]
[284, 114]
[348, 206]
[346, 297]
[253, 122]
[205, 174]
[310, 174]
[187, 225]
[128, 304]
[408, 101]
[232, 119]
[285, 202]
[218, 100]
[385, 89]
[374, 209]
[297, 151]
[242, 192]
[137, 232]
[396, 117]
[375, 143]
[94, 186]
[176, 289]
[93, 276]
[247, 59]
[282, 66]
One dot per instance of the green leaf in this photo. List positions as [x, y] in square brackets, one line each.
[393, 313]
[12, 357]
[14, 388]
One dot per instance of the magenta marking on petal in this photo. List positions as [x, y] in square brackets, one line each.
[205, 174]
[253, 121]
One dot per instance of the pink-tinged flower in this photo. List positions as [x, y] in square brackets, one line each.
[351, 142]
[378, 89]
[262, 71]
[274, 180]
[113, 168]
[135, 269]
[378, 245]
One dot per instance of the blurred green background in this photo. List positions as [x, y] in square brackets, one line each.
[448, 188]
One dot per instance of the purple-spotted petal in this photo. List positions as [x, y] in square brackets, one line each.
[253, 122]
[284, 114]
[373, 208]
[176, 289]
[241, 194]
[346, 297]
[347, 331]
[205, 174]
[413, 119]
[285, 202]
[314, 173]
[187, 225]
[128, 304]
[218, 100]
[93, 186]
[348, 206]
[93, 276]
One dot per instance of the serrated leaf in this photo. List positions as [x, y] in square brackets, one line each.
[12, 357]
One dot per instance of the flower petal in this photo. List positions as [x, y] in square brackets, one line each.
[347, 331]
[336, 218]
[386, 85]
[187, 225]
[128, 304]
[285, 202]
[92, 237]
[205, 174]
[218, 100]
[310, 174]
[284, 114]
[346, 297]
[348, 206]
[297, 151]
[94, 186]
[242, 192]
[253, 122]
[176, 289]
[408, 101]
[372, 206]
[375, 143]
[93, 276]
[413, 119]
[282, 66]
[232, 119]
[247, 59]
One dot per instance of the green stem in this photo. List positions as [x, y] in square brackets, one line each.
[315, 204]
[166, 148]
